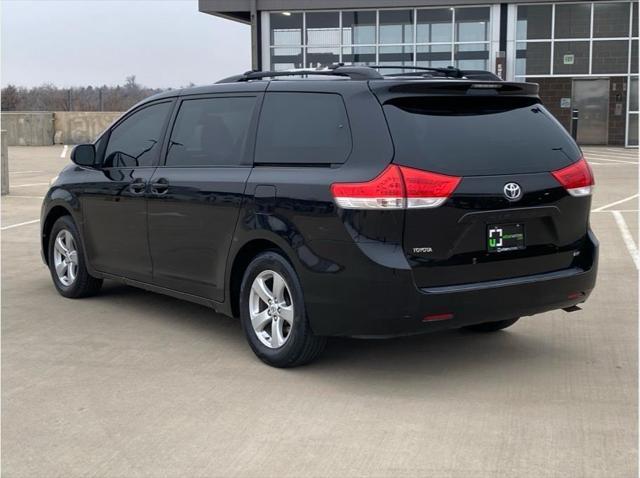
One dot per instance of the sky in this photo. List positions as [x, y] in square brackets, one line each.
[164, 43]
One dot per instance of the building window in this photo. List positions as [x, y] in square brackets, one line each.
[429, 37]
[396, 26]
[576, 39]
[434, 56]
[435, 25]
[580, 39]
[533, 58]
[323, 28]
[359, 55]
[472, 56]
[571, 57]
[573, 20]
[395, 55]
[359, 28]
[610, 56]
[472, 38]
[632, 118]
[472, 24]
[610, 20]
[534, 22]
[286, 41]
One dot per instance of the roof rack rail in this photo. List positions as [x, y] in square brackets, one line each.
[450, 71]
[352, 72]
[368, 72]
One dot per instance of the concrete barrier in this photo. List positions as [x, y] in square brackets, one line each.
[4, 163]
[26, 128]
[75, 127]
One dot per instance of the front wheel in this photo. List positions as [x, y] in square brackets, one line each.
[273, 314]
[67, 261]
[492, 326]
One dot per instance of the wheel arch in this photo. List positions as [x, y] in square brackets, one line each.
[241, 260]
[54, 213]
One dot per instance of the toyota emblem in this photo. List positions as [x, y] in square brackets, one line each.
[512, 191]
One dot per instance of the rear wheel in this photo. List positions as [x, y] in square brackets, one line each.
[67, 261]
[492, 326]
[273, 314]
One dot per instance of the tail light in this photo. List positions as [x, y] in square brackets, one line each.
[397, 187]
[576, 178]
[426, 189]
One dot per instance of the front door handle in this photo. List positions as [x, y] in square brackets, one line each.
[161, 186]
[138, 186]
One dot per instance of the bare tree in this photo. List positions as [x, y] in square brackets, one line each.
[49, 97]
[9, 98]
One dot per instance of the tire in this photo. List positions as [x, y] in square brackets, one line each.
[492, 326]
[282, 337]
[76, 282]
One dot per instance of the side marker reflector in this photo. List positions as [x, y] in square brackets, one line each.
[437, 317]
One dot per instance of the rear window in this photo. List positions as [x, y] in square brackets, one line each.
[478, 136]
[303, 128]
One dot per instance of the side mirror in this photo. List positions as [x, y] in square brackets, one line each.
[84, 155]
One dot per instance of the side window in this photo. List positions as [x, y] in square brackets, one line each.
[303, 128]
[137, 140]
[211, 132]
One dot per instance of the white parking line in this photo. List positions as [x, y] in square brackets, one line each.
[615, 203]
[607, 158]
[627, 238]
[612, 157]
[25, 197]
[64, 151]
[627, 152]
[28, 185]
[4, 228]
[25, 172]
[620, 210]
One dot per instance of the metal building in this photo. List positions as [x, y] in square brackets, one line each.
[584, 54]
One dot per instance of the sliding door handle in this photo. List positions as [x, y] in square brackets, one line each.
[138, 186]
[160, 186]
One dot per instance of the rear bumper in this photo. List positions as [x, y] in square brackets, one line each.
[384, 301]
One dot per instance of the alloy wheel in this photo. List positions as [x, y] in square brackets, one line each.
[271, 309]
[65, 258]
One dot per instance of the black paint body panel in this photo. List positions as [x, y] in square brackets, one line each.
[357, 268]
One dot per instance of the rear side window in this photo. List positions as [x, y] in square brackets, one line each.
[477, 136]
[137, 140]
[303, 128]
[210, 132]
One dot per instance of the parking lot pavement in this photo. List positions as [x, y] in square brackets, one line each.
[129, 383]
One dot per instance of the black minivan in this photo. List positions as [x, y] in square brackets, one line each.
[336, 202]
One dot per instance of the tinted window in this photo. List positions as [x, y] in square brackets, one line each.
[610, 56]
[610, 20]
[303, 128]
[434, 25]
[358, 27]
[571, 57]
[534, 22]
[477, 136]
[210, 132]
[573, 20]
[137, 140]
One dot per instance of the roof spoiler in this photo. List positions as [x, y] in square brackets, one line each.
[389, 89]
